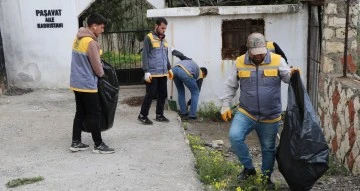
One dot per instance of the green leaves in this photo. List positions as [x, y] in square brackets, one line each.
[123, 15]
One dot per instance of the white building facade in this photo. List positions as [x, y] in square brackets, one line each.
[37, 39]
[197, 32]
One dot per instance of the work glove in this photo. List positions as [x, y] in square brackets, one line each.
[170, 74]
[148, 77]
[293, 71]
[225, 112]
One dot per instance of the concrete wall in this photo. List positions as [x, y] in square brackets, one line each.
[158, 4]
[39, 57]
[339, 98]
[199, 37]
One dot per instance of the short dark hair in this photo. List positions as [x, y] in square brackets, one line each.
[161, 20]
[96, 18]
[204, 70]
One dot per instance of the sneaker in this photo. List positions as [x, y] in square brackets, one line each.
[144, 120]
[246, 173]
[78, 146]
[161, 118]
[183, 116]
[193, 119]
[103, 149]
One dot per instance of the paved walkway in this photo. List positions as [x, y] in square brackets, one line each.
[35, 135]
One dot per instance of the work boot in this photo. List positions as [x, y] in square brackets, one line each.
[246, 173]
[161, 118]
[144, 120]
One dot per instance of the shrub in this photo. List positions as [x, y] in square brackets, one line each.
[119, 60]
[209, 111]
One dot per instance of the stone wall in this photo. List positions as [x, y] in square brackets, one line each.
[339, 97]
[339, 112]
[334, 34]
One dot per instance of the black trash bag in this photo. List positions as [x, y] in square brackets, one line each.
[108, 90]
[302, 154]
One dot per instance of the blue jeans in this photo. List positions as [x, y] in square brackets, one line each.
[241, 126]
[181, 78]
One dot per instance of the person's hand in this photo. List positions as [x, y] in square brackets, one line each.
[171, 74]
[148, 77]
[105, 77]
[293, 71]
[225, 113]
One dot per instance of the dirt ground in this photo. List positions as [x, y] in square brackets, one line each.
[210, 131]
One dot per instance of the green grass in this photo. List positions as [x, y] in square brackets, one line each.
[336, 168]
[209, 111]
[23, 181]
[219, 173]
[122, 60]
[212, 167]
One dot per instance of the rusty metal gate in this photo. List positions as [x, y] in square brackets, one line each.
[123, 38]
[3, 80]
[314, 50]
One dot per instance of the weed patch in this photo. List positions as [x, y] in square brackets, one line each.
[336, 168]
[217, 172]
[209, 111]
[23, 181]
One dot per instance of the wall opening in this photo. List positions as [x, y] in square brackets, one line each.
[235, 33]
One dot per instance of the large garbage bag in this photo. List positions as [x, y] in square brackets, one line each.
[302, 154]
[108, 90]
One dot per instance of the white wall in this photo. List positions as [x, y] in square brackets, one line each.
[199, 37]
[39, 57]
[159, 4]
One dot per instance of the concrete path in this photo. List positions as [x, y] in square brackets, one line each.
[35, 136]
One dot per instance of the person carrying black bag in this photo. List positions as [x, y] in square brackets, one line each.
[86, 69]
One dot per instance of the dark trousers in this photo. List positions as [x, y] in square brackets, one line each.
[157, 87]
[88, 112]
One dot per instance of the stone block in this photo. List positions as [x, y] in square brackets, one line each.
[354, 21]
[328, 65]
[331, 8]
[328, 33]
[334, 47]
[354, 45]
[336, 22]
[354, 10]
[340, 33]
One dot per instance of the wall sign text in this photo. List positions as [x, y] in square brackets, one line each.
[49, 18]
